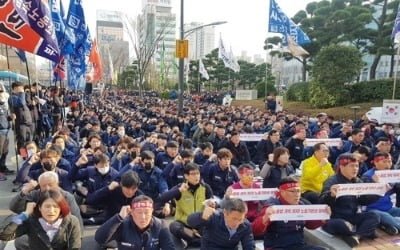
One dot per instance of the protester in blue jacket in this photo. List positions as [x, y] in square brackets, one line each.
[345, 209]
[384, 208]
[135, 228]
[117, 195]
[224, 229]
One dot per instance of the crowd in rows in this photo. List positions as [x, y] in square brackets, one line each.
[126, 163]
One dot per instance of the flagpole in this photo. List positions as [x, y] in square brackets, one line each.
[198, 75]
[266, 71]
[29, 79]
[12, 105]
[395, 72]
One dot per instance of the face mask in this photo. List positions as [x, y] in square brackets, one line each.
[148, 166]
[206, 156]
[121, 133]
[133, 155]
[104, 170]
[247, 181]
[185, 162]
[391, 132]
[48, 166]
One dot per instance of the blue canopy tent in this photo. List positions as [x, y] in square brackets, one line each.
[6, 75]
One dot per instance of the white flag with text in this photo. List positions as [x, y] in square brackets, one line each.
[202, 70]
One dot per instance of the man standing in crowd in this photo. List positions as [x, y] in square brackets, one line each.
[4, 127]
[22, 115]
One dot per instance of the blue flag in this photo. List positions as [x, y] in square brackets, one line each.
[77, 60]
[20, 54]
[396, 28]
[64, 37]
[279, 22]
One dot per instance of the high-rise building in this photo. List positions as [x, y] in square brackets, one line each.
[258, 59]
[201, 41]
[110, 34]
[244, 57]
[157, 21]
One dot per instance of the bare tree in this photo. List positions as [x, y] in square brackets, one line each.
[144, 44]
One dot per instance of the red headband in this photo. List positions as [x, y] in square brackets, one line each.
[345, 161]
[381, 157]
[246, 171]
[289, 185]
[142, 204]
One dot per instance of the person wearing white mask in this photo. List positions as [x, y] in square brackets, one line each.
[95, 177]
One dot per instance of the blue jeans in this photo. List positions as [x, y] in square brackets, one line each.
[389, 218]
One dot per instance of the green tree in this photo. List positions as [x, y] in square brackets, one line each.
[380, 42]
[334, 22]
[128, 78]
[217, 71]
[334, 67]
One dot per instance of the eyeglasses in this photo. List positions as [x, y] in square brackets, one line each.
[295, 191]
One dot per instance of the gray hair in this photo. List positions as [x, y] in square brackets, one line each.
[48, 175]
[235, 204]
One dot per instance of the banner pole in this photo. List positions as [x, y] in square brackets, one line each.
[395, 72]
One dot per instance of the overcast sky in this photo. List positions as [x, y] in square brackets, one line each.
[247, 19]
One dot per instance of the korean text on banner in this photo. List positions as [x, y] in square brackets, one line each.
[388, 176]
[334, 142]
[361, 189]
[251, 137]
[254, 194]
[299, 212]
[28, 27]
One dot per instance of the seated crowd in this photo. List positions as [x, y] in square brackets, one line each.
[127, 163]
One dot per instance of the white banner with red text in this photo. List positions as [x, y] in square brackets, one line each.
[254, 194]
[361, 189]
[299, 212]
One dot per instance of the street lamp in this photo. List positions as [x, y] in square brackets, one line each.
[188, 32]
[182, 36]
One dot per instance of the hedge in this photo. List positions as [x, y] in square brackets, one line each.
[367, 91]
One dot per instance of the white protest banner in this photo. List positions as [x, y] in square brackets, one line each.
[254, 194]
[334, 142]
[300, 212]
[251, 137]
[361, 189]
[388, 176]
[391, 111]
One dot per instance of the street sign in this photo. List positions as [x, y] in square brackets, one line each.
[182, 49]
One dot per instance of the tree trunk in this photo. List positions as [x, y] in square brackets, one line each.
[392, 64]
[140, 85]
[372, 73]
[304, 70]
